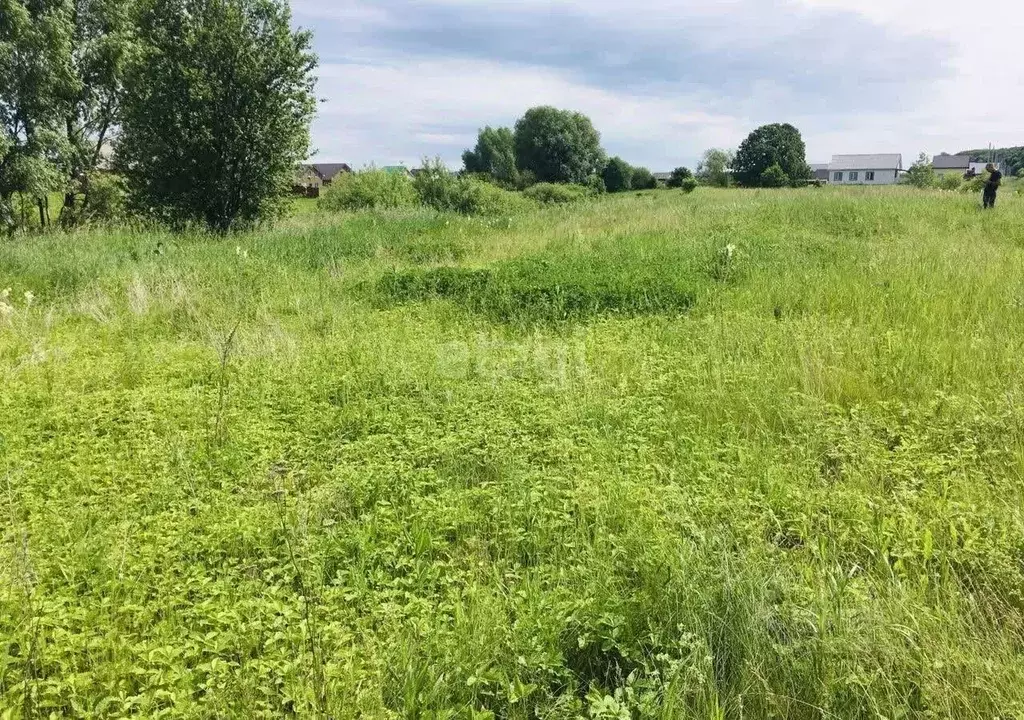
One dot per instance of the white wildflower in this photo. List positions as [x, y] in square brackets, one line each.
[5, 293]
[29, 297]
[6, 310]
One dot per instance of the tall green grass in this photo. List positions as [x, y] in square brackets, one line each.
[721, 455]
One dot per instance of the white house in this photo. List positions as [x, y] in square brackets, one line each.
[865, 169]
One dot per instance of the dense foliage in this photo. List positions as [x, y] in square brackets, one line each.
[217, 112]
[370, 189]
[617, 175]
[679, 176]
[715, 168]
[643, 179]
[61, 71]
[494, 155]
[769, 146]
[921, 174]
[558, 146]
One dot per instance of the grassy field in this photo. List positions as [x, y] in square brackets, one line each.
[727, 455]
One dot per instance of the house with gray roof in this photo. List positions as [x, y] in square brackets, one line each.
[319, 174]
[865, 169]
[946, 164]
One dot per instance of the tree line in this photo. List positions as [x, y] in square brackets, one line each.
[561, 146]
[206, 102]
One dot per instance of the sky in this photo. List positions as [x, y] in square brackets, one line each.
[664, 80]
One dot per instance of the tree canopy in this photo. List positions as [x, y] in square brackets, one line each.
[218, 112]
[61, 69]
[769, 145]
[494, 155]
[617, 175]
[558, 146]
[679, 175]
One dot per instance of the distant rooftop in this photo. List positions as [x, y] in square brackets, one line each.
[892, 161]
[951, 162]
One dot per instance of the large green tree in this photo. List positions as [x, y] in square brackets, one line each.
[769, 145]
[217, 111]
[558, 146]
[61, 64]
[494, 155]
[33, 37]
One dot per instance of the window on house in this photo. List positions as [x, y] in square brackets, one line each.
[869, 176]
[837, 177]
[854, 176]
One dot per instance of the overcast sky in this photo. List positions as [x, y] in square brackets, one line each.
[663, 80]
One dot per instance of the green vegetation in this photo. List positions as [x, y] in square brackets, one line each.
[771, 156]
[679, 177]
[216, 114]
[702, 456]
[715, 168]
[62, 67]
[370, 189]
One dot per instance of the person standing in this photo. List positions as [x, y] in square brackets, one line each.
[992, 183]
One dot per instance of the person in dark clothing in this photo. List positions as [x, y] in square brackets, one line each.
[995, 178]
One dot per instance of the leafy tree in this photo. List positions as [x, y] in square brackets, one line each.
[774, 177]
[558, 146]
[61, 69]
[32, 39]
[689, 185]
[494, 155]
[643, 179]
[921, 174]
[218, 110]
[715, 168]
[617, 175]
[768, 145]
[678, 176]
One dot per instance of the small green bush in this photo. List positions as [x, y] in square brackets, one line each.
[974, 185]
[950, 182]
[688, 185]
[551, 194]
[774, 177]
[443, 191]
[370, 189]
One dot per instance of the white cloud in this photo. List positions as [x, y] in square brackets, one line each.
[397, 97]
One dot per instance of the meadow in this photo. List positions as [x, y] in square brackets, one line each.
[734, 454]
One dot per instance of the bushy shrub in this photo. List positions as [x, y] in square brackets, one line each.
[596, 185]
[643, 179]
[774, 177]
[974, 185]
[689, 185]
[444, 191]
[551, 194]
[950, 182]
[370, 189]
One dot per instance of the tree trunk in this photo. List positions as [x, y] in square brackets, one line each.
[42, 212]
